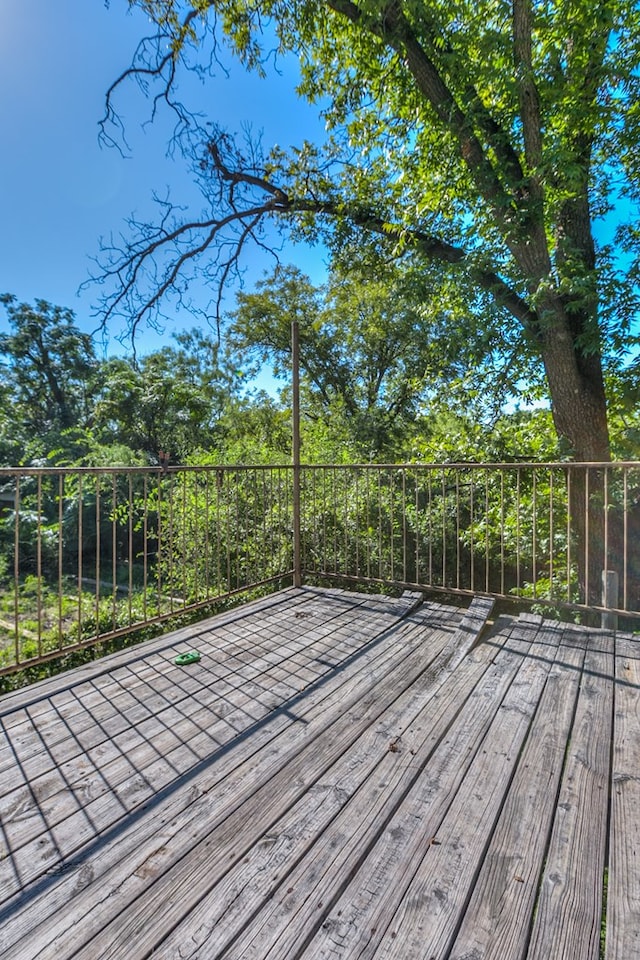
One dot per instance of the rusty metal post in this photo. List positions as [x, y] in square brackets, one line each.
[295, 371]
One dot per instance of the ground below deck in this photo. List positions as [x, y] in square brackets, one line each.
[340, 775]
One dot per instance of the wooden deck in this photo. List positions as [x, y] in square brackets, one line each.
[340, 775]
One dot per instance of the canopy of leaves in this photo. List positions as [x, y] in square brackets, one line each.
[377, 354]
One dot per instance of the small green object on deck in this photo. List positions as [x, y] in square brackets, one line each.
[184, 658]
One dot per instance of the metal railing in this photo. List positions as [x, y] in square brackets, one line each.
[88, 555]
[562, 535]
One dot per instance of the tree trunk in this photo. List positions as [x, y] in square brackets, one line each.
[578, 402]
[576, 387]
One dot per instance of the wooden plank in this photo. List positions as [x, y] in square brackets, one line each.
[143, 925]
[418, 878]
[623, 890]
[497, 921]
[84, 824]
[309, 847]
[569, 909]
[317, 895]
[216, 792]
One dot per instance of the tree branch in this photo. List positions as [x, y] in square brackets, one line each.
[247, 198]
[396, 32]
[527, 89]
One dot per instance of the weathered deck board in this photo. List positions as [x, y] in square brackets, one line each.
[568, 918]
[497, 920]
[129, 757]
[623, 889]
[341, 776]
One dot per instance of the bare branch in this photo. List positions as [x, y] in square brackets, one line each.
[245, 199]
[155, 59]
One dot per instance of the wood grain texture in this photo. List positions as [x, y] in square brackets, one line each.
[191, 806]
[569, 909]
[497, 920]
[435, 863]
[623, 900]
[342, 776]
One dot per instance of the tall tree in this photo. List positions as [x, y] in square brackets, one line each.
[375, 351]
[486, 137]
[170, 402]
[50, 371]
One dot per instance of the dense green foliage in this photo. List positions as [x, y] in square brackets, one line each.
[101, 552]
[490, 144]
[382, 380]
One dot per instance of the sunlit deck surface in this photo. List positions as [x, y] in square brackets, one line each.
[341, 775]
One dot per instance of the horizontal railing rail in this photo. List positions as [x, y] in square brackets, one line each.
[88, 555]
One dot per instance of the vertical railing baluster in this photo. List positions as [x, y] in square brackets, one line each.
[392, 518]
[344, 476]
[551, 534]
[472, 519]
[334, 514]
[534, 530]
[130, 556]
[80, 556]
[60, 555]
[39, 563]
[486, 532]
[16, 570]
[444, 530]
[207, 533]
[368, 475]
[625, 532]
[605, 561]
[98, 564]
[458, 548]
[145, 544]
[502, 539]
[161, 538]
[380, 539]
[114, 552]
[430, 523]
[183, 550]
[171, 546]
[587, 536]
[404, 524]
[416, 481]
[518, 513]
[569, 499]
[356, 519]
[236, 525]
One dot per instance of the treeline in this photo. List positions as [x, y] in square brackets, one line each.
[387, 376]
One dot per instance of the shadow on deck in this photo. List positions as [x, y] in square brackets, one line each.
[341, 775]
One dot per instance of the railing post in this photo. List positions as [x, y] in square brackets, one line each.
[295, 371]
[610, 588]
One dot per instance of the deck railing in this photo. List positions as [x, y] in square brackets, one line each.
[560, 534]
[90, 555]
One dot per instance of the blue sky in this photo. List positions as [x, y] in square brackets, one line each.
[60, 191]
